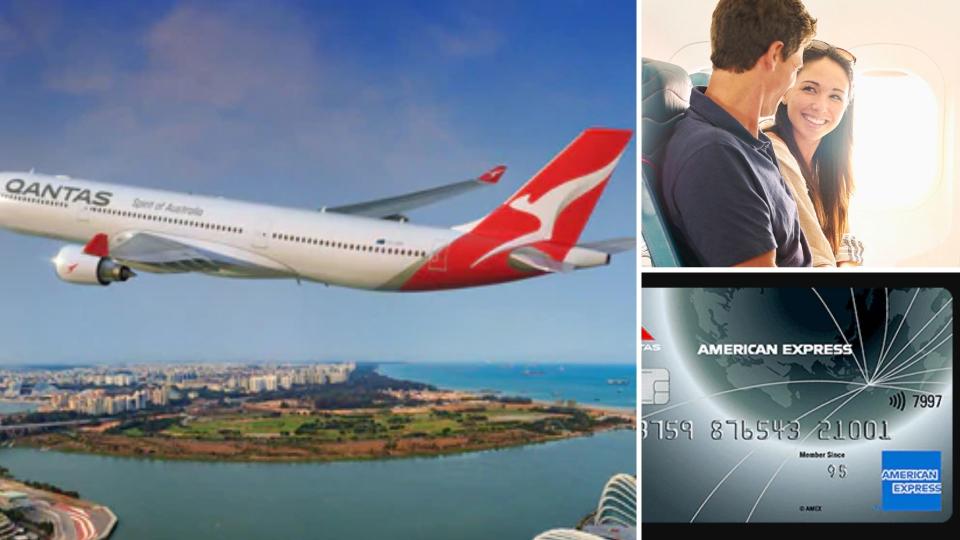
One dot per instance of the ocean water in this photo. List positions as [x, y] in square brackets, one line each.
[510, 494]
[587, 384]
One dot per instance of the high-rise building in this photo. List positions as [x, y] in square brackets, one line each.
[158, 396]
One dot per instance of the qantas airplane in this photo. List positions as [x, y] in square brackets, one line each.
[365, 246]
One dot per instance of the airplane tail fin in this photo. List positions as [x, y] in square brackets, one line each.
[556, 203]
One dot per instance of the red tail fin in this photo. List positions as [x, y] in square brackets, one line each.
[548, 214]
[557, 202]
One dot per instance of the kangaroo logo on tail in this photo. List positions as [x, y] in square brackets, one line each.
[548, 207]
[557, 202]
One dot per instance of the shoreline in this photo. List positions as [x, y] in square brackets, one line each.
[610, 409]
[505, 393]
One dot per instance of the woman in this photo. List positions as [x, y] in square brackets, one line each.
[812, 138]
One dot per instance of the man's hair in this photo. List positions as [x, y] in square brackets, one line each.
[743, 30]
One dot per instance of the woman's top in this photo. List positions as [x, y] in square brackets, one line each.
[850, 249]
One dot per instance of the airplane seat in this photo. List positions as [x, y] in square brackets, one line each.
[699, 78]
[665, 94]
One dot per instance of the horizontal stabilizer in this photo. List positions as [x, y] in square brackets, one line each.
[612, 246]
[528, 258]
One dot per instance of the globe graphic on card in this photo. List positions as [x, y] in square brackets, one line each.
[900, 344]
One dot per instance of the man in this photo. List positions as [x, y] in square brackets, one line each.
[721, 185]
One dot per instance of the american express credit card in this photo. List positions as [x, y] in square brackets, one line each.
[800, 405]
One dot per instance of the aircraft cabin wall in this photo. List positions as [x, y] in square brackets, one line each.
[906, 121]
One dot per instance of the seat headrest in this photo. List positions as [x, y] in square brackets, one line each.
[700, 78]
[665, 94]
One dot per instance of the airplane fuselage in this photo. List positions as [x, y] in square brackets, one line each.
[534, 232]
[319, 246]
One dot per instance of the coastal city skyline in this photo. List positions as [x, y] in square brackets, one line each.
[108, 390]
[306, 106]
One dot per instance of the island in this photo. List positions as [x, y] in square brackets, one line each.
[366, 415]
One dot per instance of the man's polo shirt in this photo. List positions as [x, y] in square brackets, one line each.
[723, 191]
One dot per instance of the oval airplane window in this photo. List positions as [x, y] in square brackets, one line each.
[896, 139]
[903, 206]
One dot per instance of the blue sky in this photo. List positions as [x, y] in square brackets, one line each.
[309, 104]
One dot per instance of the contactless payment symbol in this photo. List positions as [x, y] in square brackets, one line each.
[911, 481]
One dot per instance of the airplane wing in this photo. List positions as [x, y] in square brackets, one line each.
[393, 207]
[614, 245]
[162, 253]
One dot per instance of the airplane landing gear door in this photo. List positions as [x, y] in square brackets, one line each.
[438, 262]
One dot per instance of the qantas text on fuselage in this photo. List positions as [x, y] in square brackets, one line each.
[114, 229]
[57, 192]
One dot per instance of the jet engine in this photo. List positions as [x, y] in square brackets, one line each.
[75, 266]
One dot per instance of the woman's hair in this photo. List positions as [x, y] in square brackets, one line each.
[830, 176]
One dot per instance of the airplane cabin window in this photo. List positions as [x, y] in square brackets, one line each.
[882, 163]
[903, 205]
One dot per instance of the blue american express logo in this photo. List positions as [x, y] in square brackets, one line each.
[910, 481]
